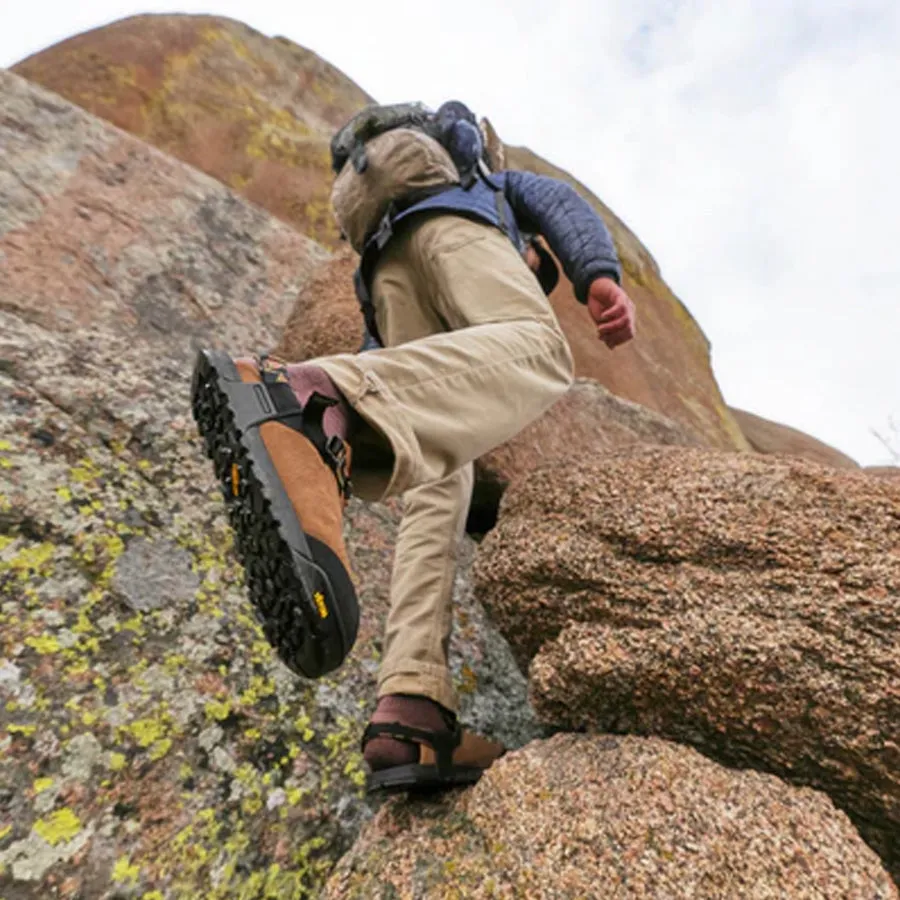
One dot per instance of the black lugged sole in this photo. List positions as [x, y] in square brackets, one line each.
[418, 779]
[302, 594]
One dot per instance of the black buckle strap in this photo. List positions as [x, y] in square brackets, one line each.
[384, 231]
[336, 457]
[308, 419]
[442, 742]
[358, 158]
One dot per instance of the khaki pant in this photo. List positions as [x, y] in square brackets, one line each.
[474, 353]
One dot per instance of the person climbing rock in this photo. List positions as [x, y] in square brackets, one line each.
[470, 353]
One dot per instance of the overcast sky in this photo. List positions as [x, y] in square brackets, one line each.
[752, 145]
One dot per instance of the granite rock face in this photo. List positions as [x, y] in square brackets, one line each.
[743, 604]
[769, 437]
[599, 816]
[255, 112]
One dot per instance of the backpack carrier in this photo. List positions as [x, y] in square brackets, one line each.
[389, 158]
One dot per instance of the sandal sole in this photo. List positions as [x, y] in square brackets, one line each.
[419, 779]
[300, 590]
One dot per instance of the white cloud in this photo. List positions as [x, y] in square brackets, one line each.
[751, 144]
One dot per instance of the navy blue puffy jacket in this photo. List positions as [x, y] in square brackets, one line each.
[539, 204]
[542, 205]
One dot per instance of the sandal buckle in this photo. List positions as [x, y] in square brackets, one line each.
[336, 451]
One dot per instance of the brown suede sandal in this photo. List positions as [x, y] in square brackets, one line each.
[447, 759]
[285, 486]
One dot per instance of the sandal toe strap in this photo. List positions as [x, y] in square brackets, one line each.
[442, 744]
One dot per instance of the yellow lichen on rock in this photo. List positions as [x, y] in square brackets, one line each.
[254, 112]
[59, 827]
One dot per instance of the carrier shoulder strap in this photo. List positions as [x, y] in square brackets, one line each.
[504, 213]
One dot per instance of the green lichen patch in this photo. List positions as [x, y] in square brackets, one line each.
[113, 708]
